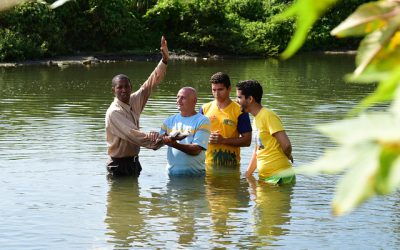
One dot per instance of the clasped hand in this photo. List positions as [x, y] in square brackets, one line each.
[173, 137]
[215, 138]
[153, 136]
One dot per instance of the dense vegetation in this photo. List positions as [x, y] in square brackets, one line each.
[238, 27]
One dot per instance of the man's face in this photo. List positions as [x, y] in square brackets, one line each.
[185, 101]
[241, 99]
[122, 90]
[220, 92]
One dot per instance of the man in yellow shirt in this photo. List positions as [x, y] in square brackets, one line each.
[230, 127]
[273, 150]
[123, 136]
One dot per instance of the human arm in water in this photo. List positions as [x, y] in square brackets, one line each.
[252, 164]
[284, 141]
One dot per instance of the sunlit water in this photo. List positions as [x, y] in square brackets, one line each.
[55, 194]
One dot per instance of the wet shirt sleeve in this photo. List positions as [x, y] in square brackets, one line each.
[123, 128]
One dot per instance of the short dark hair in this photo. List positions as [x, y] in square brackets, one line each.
[120, 77]
[221, 77]
[251, 88]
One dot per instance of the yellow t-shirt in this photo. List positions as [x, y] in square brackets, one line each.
[226, 122]
[270, 156]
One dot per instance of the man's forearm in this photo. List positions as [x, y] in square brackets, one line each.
[190, 149]
[237, 142]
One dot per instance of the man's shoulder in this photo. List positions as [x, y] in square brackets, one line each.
[267, 111]
[206, 106]
[114, 107]
[202, 119]
[172, 118]
[236, 107]
[235, 104]
[266, 115]
[235, 110]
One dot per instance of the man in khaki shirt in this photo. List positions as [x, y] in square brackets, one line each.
[124, 138]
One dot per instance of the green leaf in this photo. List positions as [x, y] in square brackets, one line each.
[367, 18]
[380, 22]
[382, 127]
[373, 47]
[368, 144]
[388, 176]
[335, 160]
[395, 107]
[369, 147]
[368, 49]
[307, 12]
[385, 92]
[358, 183]
[369, 75]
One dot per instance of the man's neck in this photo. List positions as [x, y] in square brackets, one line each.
[223, 104]
[125, 102]
[187, 114]
[255, 109]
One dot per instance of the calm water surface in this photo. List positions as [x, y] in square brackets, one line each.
[55, 194]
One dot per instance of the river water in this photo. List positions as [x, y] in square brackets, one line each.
[55, 193]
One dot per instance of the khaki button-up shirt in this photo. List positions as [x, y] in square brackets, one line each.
[122, 120]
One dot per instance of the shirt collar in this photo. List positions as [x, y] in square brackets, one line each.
[122, 104]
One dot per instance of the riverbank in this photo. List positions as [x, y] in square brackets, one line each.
[95, 58]
[88, 60]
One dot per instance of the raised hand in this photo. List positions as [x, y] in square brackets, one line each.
[164, 50]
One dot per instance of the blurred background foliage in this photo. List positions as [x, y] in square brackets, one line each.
[33, 30]
[368, 141]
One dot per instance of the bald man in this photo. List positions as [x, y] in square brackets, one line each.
[186, 135]
[123, 136]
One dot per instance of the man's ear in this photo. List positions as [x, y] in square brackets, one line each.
[113, 90]
[251, 99]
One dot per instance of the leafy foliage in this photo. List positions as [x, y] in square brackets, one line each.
[6, 4]
[211, 28]
[22, 40]
[216, 26]
[319, 37]
[252, 10]
[370, 153]
[113, 26]
[307, 13]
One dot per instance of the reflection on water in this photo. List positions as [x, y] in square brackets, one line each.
[271, 210]
[175, 212]
[226, 195]
[125, 221]
[185, 202]
[53, 153]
